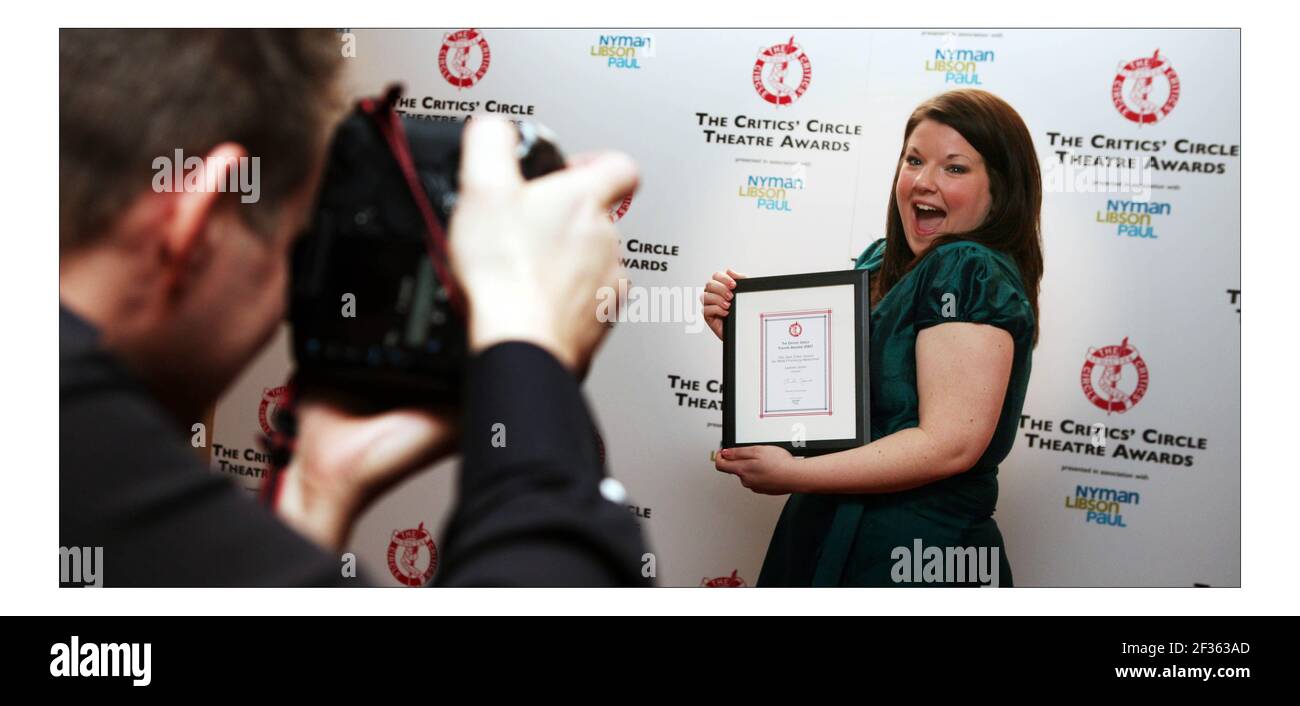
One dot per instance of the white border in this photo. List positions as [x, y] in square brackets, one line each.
[1271, 477]
[841, 424]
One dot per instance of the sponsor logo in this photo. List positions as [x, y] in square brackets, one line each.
[623, 51]
[412, 556]
[464, 57]
[1145, 90]
[617, 212]
[272, 399]
[1101, 506]
[732, 581]
[782, 73]
[1103, 375]
[770, 193]
[959, 67]
[1135, 219]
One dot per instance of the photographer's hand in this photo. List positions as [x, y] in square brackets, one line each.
[532, 256]
[344, 459]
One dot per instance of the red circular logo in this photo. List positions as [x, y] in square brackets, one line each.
[272, 398]
[796, 329]
[1103, 375]
[464, 57]
[773, 78]
[616, 214]
[732, 581]
[404, 556]
[1145, 90]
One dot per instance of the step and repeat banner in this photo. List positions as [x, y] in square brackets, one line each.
[772, 152]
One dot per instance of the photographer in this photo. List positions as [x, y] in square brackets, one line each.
[165, 295]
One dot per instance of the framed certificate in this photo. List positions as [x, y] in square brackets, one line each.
[794, 363]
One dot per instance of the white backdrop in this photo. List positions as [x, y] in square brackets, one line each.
[1144, 286]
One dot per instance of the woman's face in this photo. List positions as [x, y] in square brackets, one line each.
[942, 188]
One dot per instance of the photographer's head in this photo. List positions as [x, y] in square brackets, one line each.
[189, 160]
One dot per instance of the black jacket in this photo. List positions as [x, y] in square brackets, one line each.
[530, 513]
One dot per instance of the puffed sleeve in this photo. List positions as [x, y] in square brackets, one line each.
[871, 256]
[968, 282]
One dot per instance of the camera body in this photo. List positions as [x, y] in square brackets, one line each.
[373, 308]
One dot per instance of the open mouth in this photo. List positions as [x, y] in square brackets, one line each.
[928, 218]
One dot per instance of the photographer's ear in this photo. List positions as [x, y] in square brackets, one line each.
[185, 226]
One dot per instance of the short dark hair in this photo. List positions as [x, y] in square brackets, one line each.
[129, 96]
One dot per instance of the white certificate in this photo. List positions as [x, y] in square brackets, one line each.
[796, 373]
[795, 363]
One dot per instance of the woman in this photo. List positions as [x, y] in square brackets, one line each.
[954, 318]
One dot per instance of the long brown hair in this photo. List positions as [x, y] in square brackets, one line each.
[998, 133]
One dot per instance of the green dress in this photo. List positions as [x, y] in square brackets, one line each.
[850, 540]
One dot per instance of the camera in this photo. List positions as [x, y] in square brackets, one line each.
[373, 308]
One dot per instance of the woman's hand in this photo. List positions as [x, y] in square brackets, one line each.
[769, 470]
[344, 459]
[717, 298]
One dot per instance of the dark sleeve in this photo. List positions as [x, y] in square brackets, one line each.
[129, 484]
[530, 511]
[966, 282]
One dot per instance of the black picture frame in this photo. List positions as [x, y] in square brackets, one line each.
[861, 353]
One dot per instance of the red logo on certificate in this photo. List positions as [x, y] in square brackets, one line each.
[1106, 373]
[782, 73]
[464, 57]
[272, 399]
[1145, 90]
[412, 556]
[795, 329]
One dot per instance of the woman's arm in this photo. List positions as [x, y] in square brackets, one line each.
[962, 372]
